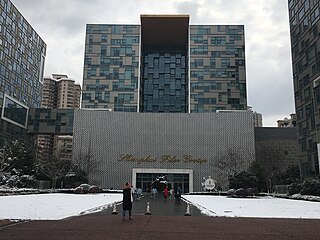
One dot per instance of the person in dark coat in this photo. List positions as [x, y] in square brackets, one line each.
[178, 195]
[127, 201]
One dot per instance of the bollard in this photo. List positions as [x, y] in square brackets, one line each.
[188, 210]
[148, 209]
[114, 212]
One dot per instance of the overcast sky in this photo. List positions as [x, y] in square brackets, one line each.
[61, 24]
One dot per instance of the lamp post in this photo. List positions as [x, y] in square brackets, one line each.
[80, 154]
[81, 135]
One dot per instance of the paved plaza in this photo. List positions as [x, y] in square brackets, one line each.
[167, 221]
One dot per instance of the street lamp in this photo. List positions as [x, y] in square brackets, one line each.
[80, 154]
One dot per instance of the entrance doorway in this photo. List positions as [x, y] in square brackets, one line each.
[143, 177]
[175, 180]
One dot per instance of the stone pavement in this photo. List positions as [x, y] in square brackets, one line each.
[166, 222]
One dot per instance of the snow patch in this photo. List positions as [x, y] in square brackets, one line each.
[263, 207]
[53, 206]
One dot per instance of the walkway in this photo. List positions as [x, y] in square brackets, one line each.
[166, 222]
[162, 207]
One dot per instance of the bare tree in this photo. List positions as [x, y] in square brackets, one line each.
[268, 159]
[55, 168]
[86, 162]
[230, 161]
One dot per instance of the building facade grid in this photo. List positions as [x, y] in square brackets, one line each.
[22, 56]
[122, 73]
[304, 17]
[217, 68]
[118, 143]
[111, 67]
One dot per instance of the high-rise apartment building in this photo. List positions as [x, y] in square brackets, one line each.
[288, 122]
[59, 91]
[22, 56]
[305, 44]
[164, 65]
[257, 117]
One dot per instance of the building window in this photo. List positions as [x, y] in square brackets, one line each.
[218, 41]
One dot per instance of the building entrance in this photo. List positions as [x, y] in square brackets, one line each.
[174, 180]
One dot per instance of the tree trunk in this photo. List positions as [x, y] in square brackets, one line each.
[54, 183]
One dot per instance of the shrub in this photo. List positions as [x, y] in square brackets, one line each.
[311, 187]
[27, 181]
[15, 180]
[73, 179]
[243, 179]
[308, 187]
[95, 189]
[294, 188]
[12, 181]
[78, 190]
[83, 188]
[252, 191]
[231, 192]
[241, 192]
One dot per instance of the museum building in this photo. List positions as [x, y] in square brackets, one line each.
[138, 147]
[163, 85]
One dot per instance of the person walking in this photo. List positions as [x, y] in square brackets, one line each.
[133, 193]
[178, 195]
[127, 201]
[171, 193]
[153, 193]
[165, 192]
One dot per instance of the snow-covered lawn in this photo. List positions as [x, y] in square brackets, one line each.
[58, 206]
[264, 207]
[53, 206]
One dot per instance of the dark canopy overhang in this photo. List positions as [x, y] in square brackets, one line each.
[165, 30]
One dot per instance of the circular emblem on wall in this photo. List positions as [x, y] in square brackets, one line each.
[209, 184]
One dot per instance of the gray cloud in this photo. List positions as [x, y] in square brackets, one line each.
[188, 7]
[269, 77]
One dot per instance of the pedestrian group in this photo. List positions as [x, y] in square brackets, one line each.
[130, 193]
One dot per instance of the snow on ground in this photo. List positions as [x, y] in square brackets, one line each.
[53, 206]
[58, 206]
[263, 207]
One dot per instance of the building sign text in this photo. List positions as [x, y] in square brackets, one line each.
[162, 159]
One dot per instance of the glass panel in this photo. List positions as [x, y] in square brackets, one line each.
[15, 112]
[163, 75]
